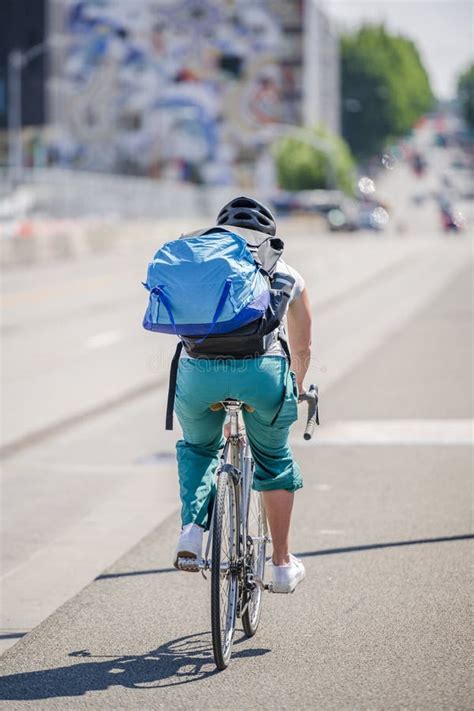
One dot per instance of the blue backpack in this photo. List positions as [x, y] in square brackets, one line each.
[205, 284]
[218, 291]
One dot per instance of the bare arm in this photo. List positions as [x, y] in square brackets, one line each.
[299, 334]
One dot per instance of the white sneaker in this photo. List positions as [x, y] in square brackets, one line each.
[286, 577]
[189, 545]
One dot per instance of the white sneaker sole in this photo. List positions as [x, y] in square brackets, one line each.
[289, 587]
[186, 561]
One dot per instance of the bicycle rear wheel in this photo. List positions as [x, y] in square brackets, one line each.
[224, 570]
[255, 559]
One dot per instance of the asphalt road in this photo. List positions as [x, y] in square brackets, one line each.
[88, 478]
[383, 524]
[91, 469]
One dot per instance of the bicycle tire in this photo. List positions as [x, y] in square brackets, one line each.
[224, 583]
[253, 598]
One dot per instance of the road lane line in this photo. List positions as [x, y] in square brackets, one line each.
[9, 449]
[101, 340]
[330, 531]
[46, 292]
[393, 432]
[118, 522]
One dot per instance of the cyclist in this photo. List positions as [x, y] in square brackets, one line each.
[270, 393]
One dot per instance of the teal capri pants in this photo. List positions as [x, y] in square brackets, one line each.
[268, 386]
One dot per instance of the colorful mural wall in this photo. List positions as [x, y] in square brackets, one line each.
[188, 89]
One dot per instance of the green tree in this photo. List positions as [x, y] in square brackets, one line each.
[312, 159]
[466, 95]
[385, 88]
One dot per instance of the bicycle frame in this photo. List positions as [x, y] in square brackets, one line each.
[230, 455]
[238, 519]
[239, 459]
[237, 456]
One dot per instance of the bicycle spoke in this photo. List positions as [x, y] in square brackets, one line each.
[224, 581]
[256, 560]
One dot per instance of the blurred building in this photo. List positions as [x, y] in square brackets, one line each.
[23, 25]
[321, 102]
[187, 89]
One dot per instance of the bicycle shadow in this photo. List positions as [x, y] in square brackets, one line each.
[180, 661]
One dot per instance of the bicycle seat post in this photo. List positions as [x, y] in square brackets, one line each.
[233, 408]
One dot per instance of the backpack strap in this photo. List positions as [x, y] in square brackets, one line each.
[286, 348]
[172, 386]
[158, 290]
[218, 311]
[284, 345]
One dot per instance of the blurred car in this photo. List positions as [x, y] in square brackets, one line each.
[418, 164]
[440, 140]
[306, 201]
[352, 215]
[373, 218]
[344, 217]
[342, 214]
[452, 220]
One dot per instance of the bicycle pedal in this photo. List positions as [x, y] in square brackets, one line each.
[269, 588]
[189, 565]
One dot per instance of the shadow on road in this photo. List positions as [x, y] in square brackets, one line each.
[130, 574]
[310, 554]
[13, 635]
[181, 661]
[375, 546]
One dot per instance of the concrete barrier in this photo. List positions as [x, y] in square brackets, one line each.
[49, 241]
[58, 215]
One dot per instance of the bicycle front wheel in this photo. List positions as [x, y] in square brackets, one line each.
[224, 568]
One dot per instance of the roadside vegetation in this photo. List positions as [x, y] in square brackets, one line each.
[385, 88]
[319, 159]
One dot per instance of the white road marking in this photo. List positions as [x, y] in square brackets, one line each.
[118, 522]
[330, 531]
[345, 335]
[394, 432]
[101, 340]
[323, 487]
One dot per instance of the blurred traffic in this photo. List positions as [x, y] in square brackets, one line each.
[418, 179]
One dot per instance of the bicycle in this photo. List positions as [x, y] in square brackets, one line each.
[238, 535]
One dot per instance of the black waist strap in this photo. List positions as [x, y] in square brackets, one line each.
[174, 373]
[172, 386]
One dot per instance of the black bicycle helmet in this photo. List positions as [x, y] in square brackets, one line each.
[247, 212]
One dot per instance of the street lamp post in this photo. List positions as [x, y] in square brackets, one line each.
[17, 61]
[15, 148]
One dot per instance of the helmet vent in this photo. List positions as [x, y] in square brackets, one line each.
[242, 216]
[243, 202]
[246, 212]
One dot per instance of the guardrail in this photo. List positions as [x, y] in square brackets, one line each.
[57, 214]
[69, 193]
